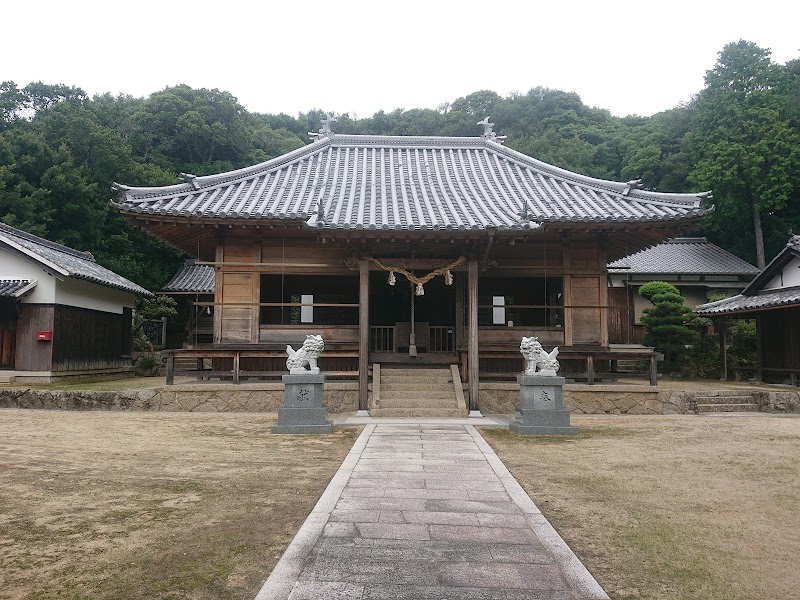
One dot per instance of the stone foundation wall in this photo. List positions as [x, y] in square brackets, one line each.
[246, 397]
[339, 397]
[501, 398]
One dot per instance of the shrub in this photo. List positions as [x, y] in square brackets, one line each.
[668, 326]
[147, 365]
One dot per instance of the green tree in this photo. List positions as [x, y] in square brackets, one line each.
[743, 142]
[667, 326]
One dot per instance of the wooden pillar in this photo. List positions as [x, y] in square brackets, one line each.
[723, 349]
[363, 338]
[218, 308]
[566, 259]
[459, 324]
[170, 368]
[759, 374]
[603, 292]
[472, 337]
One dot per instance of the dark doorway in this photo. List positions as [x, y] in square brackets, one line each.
[390, 317]
[8, 333]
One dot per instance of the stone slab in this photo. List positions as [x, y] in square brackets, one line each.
[448, 541]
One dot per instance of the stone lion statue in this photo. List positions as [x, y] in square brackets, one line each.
[537, 361]
[306, 355]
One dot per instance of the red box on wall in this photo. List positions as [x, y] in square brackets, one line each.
[44, 336]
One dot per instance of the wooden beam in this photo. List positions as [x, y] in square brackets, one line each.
[363, 335]
[472, 337]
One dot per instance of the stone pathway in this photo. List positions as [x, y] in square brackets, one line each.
[427, 512]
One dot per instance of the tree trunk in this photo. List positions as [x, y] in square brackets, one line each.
[761, 262]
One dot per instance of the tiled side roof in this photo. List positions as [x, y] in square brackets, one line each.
[770, 299]
[192, 278]
[14, 288]
[695, 256]
[409, 183]
[66, 261]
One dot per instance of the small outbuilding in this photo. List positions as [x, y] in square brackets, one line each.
[61, 313]
[193, 286]
[773, 300]
[698, 268]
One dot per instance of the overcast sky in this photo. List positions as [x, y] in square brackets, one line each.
[360, 57]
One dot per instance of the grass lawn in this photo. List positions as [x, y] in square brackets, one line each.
[672, 507]
[144, 505]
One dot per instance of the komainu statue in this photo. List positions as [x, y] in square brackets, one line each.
[537, 361]
[306, 355]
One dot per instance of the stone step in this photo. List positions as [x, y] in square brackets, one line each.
[726, 399]
[416, 373]
[427, 396]
[431, 394]
[418, 402]
[718, 408]
[412, 386]
[423, 413]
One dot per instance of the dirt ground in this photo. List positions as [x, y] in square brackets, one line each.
[141, 505]
[679, 507]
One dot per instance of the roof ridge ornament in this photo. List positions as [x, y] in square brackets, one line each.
[488, 131]
[324, 131]
[631, 185]
[190, 179]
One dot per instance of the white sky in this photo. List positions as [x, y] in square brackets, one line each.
[359, 57]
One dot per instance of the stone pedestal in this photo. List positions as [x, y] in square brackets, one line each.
[542, 409]
[302, 410]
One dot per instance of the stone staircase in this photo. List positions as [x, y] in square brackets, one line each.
[723, 402]
[418, 392]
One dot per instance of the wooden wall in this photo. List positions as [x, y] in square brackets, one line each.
[88, 339]
[241, 262]
[32, 355]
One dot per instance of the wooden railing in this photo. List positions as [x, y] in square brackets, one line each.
[235, 364]
[434, 338]
[442, 338]
[383, 339]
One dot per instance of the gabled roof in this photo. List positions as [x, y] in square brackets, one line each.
[753, 297]
[192, 278]
[16, 288]
[409, 184]
[741, 303]
[683, 256]
[62, 261]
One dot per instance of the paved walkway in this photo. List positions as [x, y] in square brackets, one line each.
[426, 512]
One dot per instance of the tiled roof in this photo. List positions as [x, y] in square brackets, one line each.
[14, 288]
[409, 183]
[192, 279]
[695, 256]
[65, 261]
[741, 303]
